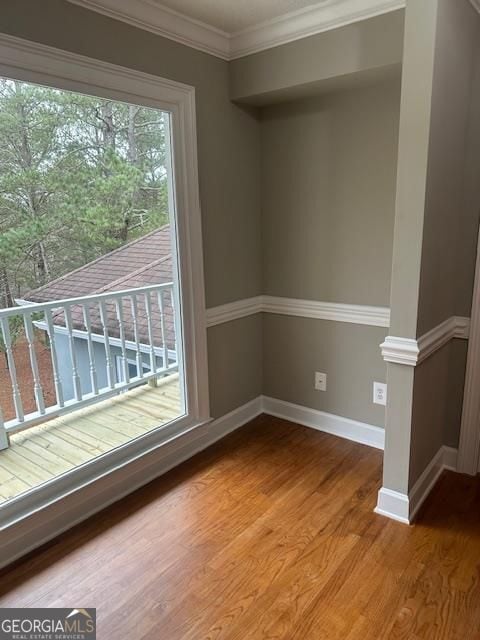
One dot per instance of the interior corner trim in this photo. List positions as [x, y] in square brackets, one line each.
[412, 352]
[337, 312]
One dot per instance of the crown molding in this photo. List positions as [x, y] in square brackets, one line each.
[162, 21]
[475, 4]
[326, 15]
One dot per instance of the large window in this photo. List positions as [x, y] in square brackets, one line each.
[102, 339]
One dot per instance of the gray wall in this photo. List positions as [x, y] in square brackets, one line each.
[450, 227]
[414, 134]
[307, 65]
[328, 197]
[228, 150]
[294, 348]
[433, 258]
[235, 356]
[468, 214]
[443, 237]
[437, 405]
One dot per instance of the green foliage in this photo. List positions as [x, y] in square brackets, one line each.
[79, 176]
[15, 324]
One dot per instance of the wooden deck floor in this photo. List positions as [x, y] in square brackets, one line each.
[48, 450]
[270, 534]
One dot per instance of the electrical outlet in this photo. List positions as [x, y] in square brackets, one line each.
[379, 393]
[320, 381]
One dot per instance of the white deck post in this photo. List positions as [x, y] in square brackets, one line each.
[17, 398]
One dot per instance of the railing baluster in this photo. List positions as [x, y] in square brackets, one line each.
[148, 309]
[17, 398]
[118, 307]
[106, 341]
[161, 307]
[37, 385]
[135, 336]
[91, 350]
[57, 380]
[95, 325]
[77, 389]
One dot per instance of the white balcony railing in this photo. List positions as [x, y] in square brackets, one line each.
[99, 346]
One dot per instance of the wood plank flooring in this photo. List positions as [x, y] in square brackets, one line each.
[269, 534]
[43, 452]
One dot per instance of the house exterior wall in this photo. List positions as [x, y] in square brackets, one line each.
[83, 363]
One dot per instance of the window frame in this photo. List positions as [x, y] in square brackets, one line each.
[32, 62]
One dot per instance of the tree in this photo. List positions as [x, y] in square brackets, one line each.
[15, 324]
[79, 176]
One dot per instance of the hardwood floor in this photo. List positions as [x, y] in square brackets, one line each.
[269, 534]
[43, 452]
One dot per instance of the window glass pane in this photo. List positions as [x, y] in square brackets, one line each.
[89, 336]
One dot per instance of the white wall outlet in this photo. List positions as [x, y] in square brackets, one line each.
[320, 381]
[380, 393]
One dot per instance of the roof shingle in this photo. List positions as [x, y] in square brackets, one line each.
[143, 262]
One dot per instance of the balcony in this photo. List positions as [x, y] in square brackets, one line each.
[97, 372]
[45, 451]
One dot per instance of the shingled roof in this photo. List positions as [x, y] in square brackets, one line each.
[98, 276]
[142, 262]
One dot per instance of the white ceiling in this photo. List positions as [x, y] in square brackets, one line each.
[232, 16]
[231, 29]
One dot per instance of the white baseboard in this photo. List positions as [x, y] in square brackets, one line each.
[329, 423]
[446, 459]
[404, 508]
[42, 526]
[393, 505]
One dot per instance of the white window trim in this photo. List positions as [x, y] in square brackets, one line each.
[32, 62]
